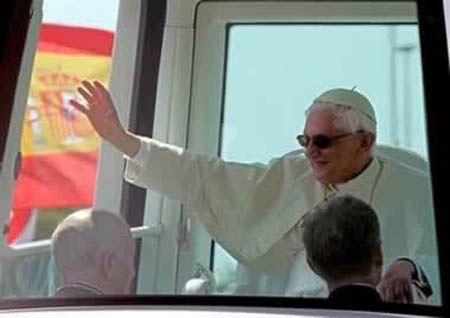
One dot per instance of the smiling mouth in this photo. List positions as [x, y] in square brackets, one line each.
[320, 163]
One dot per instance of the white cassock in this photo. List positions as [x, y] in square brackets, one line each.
[255, 211]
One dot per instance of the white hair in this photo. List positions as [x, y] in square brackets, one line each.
[348, 118]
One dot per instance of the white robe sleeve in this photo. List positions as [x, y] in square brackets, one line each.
[413, 204]
[200, 182]
[246, 208]
[184, 176]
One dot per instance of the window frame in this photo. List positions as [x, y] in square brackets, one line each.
[434, 50]
[212, 24]
[21, 42]
[436, 81]
[213, 19]
[17, 60]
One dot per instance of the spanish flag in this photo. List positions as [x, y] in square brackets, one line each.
[59, 147]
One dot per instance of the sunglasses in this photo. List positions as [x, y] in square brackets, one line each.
[320, 141]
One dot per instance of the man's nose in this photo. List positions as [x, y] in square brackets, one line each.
[311, 150]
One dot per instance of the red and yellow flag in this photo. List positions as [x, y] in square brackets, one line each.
[59, 148]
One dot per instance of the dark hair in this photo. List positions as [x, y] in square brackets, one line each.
[339, 236]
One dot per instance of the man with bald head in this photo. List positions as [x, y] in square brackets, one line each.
[255, 211]
[94, 254]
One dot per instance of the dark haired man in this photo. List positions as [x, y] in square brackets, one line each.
[343, 246]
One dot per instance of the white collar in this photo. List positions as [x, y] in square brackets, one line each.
[364, 184]
[81, 285]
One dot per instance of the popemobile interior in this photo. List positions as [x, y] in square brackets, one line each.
[213, 98]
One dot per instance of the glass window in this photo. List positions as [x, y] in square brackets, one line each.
[236, 87]
[59, 149]
[274, 72]
[284, 67]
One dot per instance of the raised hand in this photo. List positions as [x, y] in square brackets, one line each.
[101, 112]
[99, 109]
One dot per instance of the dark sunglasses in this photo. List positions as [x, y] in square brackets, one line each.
[320, 141]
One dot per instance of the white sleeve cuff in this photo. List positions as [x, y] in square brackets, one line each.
[140, 158]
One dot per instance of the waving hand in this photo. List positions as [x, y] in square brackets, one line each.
[100, 110]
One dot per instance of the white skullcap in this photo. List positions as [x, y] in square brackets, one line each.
[350, 98]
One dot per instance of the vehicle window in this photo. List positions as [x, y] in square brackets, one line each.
[273, 68]
[236, 86]
[275, 71]
[59, 149]
[278, 64]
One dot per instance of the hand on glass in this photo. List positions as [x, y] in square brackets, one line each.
[396, 283]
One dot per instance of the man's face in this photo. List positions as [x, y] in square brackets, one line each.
[339, 162]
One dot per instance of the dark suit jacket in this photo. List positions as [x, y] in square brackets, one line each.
[355, 293]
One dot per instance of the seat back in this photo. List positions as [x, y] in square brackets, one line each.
[403, 156]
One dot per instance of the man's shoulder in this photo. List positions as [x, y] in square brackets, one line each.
[394, 168]
[294, 160]
[398, 175]
[355, 293]
[403, 160]
[293, 157]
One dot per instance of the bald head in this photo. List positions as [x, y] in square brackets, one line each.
[97, 246]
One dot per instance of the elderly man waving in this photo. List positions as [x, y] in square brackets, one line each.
[255, 212]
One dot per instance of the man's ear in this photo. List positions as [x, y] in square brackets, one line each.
[311, 265]
[367, 141]
[108, 263]
[378, 255]
[377, 264]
